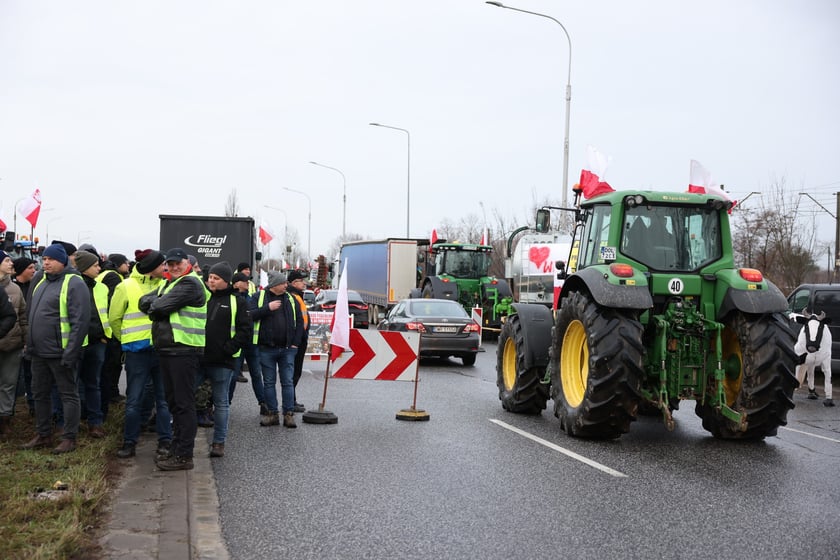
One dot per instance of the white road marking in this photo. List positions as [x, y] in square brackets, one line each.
[809, 434]
[564, 451]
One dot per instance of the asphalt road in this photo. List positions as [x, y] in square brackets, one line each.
[478, 482]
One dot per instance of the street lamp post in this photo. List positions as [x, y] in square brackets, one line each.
[309, 226]
[408, 177]
[568, 95]
[344, 200]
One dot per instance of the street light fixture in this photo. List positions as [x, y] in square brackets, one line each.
[408, 177]
[568, 95]
[309, 227]
[344, 201]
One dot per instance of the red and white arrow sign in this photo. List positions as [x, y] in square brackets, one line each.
[389, 356]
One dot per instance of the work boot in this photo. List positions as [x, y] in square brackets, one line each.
[38, 441]
[204, 419]
[241, 379]
[66, 446]
[299, 407]
[828, 402]
[812, 394]
[289, 420]
[126, 451]
[217, 450]
[175, 464]
[263, 410]
[164, 450]
[270, 419]
[96, 432]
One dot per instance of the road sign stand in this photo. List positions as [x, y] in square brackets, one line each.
[321, 416]
[412, 414]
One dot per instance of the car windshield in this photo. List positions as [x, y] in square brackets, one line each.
[332, 296]
[463, 264]
[673, 238]
[425, 308]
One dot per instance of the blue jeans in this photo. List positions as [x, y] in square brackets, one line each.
[220, 378]
[250, 354]
[272, 360]
[90, 369]
[140, 368]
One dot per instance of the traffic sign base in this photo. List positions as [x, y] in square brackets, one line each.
[319, 417]
[413, 415]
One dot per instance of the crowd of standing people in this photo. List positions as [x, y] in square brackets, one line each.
[68, 331]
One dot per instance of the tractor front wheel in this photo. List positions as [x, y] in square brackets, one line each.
[596, 368]
[758, 356]
[520, 387]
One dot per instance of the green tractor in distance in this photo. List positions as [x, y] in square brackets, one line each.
[458, 272]
[652, 312]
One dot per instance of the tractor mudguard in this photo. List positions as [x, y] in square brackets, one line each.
[617, 296]
[443, 290]
[747, 297]
[536, 321]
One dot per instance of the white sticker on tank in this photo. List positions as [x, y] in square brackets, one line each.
[676, 286]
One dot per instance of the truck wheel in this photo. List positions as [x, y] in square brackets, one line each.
[520, 389]
[759, 348]
[596, 368]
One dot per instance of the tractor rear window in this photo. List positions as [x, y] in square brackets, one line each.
[671, 238]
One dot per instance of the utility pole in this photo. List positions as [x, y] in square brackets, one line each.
[837, 239]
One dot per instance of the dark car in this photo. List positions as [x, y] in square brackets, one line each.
[325, 301]
[445, 328]
[818, 298]
[308, 298]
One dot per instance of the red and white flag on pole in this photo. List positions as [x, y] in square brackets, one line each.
[340, 328]
[30, 208]
[433, 238]
[485, 238]
[265, 236]
[592, 176]
[700, 181]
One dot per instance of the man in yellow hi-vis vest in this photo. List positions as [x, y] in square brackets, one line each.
[178, 310]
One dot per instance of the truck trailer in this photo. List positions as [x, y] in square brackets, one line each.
[212, 239]
[382, 271]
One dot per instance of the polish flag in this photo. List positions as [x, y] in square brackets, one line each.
[31, 207]
[265, 236]
[263, 279]
[340, 327]
[592, 176]
[433, 239]
[700, 181]
[485, 239]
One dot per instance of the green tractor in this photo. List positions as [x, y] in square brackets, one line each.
[458, 272]
[653, 312]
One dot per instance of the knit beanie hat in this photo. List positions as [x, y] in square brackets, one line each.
[56, 252]
[68, 247]
[22, 264]
[85, 260]
[242, 266]
[222, 270]
[275, 278]
[238, 277]
[117, 259]
[147, 260]
[3, 255]
[89, 248]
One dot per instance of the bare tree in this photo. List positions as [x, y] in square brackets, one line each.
[232, 205]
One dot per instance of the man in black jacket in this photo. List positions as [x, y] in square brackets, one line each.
[278, 328]
[178, 311]
[226, 333]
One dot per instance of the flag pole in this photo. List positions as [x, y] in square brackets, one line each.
[321, 416]
[413, 414]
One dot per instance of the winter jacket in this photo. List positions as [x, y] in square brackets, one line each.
[188, 291]
[44, 336]
[120, 304]
[281, 328]
[220, 346]
[16, 337]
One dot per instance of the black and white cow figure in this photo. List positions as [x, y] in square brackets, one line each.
[814, 349]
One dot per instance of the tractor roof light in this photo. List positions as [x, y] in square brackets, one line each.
[634, 200]
[622, 270]
[751, 274]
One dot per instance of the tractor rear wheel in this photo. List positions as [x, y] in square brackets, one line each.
[759, 351]
[596, 368]
[520, 387]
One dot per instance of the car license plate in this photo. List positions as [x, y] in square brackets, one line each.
[446, 329]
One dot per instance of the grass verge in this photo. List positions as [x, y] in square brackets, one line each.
[38, 521]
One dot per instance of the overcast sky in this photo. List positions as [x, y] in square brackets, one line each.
[120, 111]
